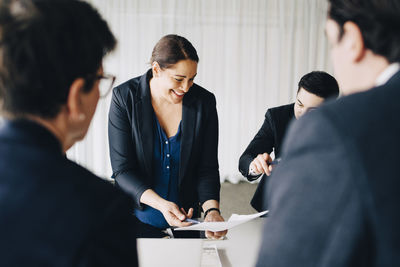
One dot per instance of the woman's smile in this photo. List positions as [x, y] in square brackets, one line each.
[178, 94]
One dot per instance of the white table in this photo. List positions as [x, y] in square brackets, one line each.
[240, 249]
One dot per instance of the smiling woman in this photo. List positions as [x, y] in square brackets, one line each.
[163, 135]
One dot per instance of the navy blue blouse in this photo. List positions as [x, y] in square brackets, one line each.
[166, 156]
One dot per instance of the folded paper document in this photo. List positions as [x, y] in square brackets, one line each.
[233, 221]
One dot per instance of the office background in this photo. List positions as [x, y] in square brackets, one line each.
[252, 54]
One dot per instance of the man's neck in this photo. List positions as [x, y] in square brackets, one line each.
[365, 73]
[53, 125]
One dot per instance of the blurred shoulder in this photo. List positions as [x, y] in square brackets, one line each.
[201, 94]
[91, 188]
[353, 114]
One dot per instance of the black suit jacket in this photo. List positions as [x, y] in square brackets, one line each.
[131, 142]
[54, 212]
[334, 198]
[268, 138]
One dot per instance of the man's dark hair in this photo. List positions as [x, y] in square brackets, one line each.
[44, 46]
[378, 20]
[171, 49]
[319, 83]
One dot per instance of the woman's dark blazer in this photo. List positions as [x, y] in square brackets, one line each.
[268, 138]
[130, 130]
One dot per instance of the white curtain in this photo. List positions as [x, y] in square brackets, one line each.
[252, 55]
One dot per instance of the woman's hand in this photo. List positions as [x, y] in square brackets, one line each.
[169, 210]
[175, 216]
[214, 216]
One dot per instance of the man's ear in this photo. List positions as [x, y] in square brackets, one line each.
[155, 67]
[354, 41]
[74, 101]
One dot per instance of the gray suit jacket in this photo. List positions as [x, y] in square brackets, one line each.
[334, 198]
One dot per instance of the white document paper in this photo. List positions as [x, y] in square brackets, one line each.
[233, 221]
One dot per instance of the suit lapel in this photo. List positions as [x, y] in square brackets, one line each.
[188, 131]
[144, 118]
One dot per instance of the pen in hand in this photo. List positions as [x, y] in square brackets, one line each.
[191, 221]
[274, 162]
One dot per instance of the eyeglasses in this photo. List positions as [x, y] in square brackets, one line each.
[106, 82]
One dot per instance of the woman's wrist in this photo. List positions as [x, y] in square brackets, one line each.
[211, 210]
[152, 199]
[210, 204]
[160, 203]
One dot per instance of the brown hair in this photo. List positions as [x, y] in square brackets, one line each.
[173, 48]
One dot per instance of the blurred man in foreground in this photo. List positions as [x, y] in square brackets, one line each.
[334, 196]
[54, 212]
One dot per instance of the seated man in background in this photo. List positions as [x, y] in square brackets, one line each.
[334, 198]
[313, 89]
[54, 212]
